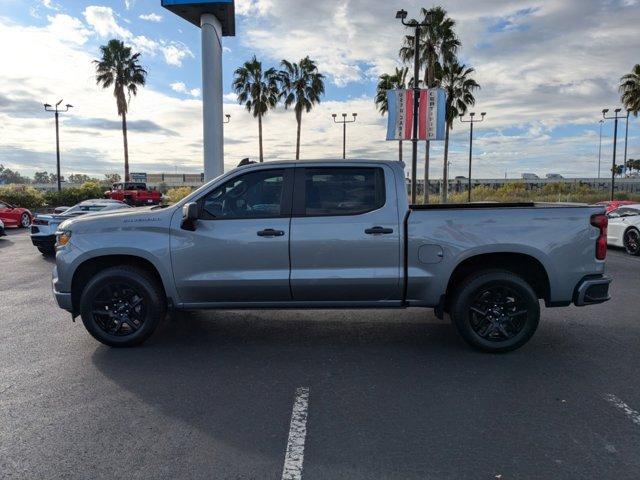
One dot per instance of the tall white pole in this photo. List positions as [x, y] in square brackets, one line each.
[212, 96]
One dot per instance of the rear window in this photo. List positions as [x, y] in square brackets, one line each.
[343, 191]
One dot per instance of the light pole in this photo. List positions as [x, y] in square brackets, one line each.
[228, 118]
[56, 110]
[626, 138]
[615, 141]
[344, 122]
[600, 147]
[402, 15]
[471, 121]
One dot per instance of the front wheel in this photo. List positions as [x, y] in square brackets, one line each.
[495, 311]
[122, 306]
[632, 241]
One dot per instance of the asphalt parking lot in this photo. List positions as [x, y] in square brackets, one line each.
[374, 394]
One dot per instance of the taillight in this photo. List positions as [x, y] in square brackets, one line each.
[600, 221]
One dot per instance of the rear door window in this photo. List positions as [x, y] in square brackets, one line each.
[342, 190]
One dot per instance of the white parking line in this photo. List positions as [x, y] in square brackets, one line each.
[297, 434]
[633, 415]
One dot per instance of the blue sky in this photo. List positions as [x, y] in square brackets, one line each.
[546, 67]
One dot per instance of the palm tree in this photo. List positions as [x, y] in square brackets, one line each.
[438, 45]
[302, 86]
[395, 81]
[630, 90]
[459, 86]
[120, 69]
[257, 90]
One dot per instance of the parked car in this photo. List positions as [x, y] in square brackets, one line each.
[324, 235]
[624, 228]
[554, 176]
[134, 193]
[530, 176]
[59, 210]
[14, 216]
[44, 227]
[611, 205]
[2, 233]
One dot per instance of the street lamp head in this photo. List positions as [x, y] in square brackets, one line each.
[483, 114]
[69, 105]
[401, 14]
[228, 116]
[618, 110]
[47, 105]
[59, 102]
[604, 111]
[355, 115]
[334, 115]
[472, 114]
[344, 115]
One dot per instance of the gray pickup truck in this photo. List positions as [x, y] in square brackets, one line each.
[330, 234]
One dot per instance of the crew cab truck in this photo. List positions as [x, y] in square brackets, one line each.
[135, 194]
[330, 234]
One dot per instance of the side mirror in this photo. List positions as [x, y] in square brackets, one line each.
[613, 215]
[189, 216]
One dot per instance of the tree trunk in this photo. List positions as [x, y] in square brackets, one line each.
[445, 171]
[126, 147]
[299, 120]
[400, 151]
[425, 198]
[260, 136]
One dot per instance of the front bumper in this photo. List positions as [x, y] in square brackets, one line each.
[591, 290]
[62, 298]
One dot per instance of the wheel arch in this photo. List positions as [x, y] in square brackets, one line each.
[91, 266]
[524, 265]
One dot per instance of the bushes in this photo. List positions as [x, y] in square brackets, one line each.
[178, 193]
[22, 196]
[29, 197]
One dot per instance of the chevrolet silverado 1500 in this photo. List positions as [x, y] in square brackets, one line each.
[330, 234]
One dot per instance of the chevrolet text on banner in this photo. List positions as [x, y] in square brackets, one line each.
[431, 120]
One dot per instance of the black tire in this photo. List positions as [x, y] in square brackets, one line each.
[488, 323]
[631, 241]
[25, 221]
[130, 305]
[47, 251]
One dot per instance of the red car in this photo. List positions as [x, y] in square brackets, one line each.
[134, 193]
[611, 205]
[13, 216]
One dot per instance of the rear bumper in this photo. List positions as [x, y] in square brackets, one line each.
[43, 241]
[591, 290]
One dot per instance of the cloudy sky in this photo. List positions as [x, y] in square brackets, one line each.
[546, 68]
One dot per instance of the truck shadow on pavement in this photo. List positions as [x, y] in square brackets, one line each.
[382, 393]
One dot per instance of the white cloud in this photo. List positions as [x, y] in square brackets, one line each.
[68, 28]
[50, 5]
[151, 17]
[129, 3]
[181, 87]
[230, 98]
[145, 45]
[175, 52]
[104, 22]
[253, 7]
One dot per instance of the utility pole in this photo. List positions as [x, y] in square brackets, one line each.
[402, 15]
[615, 141]
[471, 121]
[344, 122]
[600, 147]
[57, 111]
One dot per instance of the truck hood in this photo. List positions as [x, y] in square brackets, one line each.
[143, 217]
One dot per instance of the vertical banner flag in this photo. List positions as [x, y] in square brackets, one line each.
[431, 114]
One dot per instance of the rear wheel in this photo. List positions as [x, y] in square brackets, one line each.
[122, 306]
[48, 251]
[495, 311]
[25, 220]
[632, 241]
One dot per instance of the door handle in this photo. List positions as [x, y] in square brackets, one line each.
[270, 232]
[378, 230]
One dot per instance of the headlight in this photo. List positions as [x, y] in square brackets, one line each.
[62, 238]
